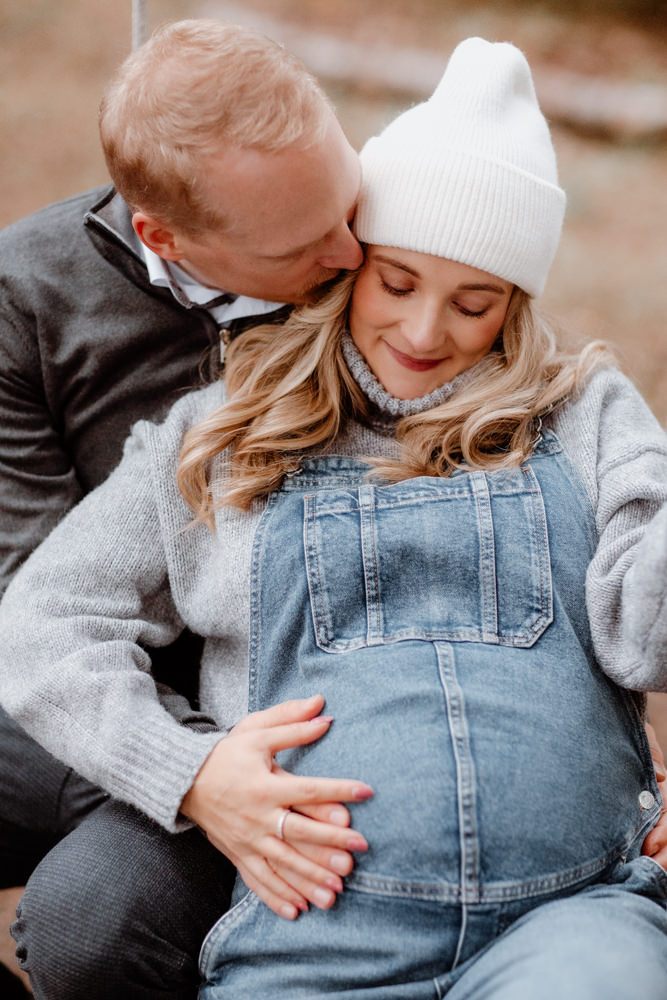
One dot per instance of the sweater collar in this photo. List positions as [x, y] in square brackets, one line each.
[385, 403]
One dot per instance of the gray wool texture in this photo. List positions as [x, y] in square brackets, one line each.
[123, 570]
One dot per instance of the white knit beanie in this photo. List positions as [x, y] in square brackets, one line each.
[471, 173]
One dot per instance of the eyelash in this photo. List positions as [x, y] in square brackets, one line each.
[394, 291]
[468, 313]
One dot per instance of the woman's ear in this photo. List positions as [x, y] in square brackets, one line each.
[156, 236]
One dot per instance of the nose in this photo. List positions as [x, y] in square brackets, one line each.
[424, 329]
[343, 251]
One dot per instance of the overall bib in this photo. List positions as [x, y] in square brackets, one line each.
[444, 621]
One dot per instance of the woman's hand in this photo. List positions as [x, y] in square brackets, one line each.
[240, 796]
[655, 844]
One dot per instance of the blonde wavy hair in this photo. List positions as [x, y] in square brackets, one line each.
[289, 390]
[194, 87]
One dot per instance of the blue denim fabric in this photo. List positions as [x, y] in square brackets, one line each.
[445, 623]
[605, 942]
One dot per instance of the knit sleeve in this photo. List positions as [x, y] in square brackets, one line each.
[620, 451]
[645, 599]
[74, 625]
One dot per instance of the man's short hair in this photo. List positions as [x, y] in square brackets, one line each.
[192, 88]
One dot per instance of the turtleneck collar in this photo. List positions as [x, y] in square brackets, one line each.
[387, 404]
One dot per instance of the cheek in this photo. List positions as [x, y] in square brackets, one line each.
[358, 307]
[484, 337]
[369, 308]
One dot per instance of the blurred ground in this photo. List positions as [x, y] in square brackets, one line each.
[610, 276]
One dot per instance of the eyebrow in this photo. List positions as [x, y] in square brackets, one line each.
[482, 287]
[474, 286]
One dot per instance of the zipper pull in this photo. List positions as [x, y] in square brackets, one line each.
[225, 336]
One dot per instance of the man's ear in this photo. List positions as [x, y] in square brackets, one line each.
[157, 237]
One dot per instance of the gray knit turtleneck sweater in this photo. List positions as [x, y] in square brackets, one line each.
[382, 400]
[120, 573]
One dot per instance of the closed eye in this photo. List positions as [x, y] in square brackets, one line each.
[393, 290]
[474, 314]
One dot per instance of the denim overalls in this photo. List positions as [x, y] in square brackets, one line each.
[444, 620]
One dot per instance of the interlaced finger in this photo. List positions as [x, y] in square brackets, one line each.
[280, 897]
[299, 830]
[297, 791]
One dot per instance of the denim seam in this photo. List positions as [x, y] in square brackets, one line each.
[465, 772]
[374, 622]
[487, 569]
[517, 640]
[542, 554]
[224, 924]
[254, 637]
[322, 619]
[494, 892]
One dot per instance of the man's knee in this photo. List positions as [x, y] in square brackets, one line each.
[120, 908]
[41, 801]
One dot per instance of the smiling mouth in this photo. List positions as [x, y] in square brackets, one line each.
[414, 364]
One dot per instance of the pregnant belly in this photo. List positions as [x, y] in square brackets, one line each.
[488, 769]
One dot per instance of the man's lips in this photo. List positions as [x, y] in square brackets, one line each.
[414, 364]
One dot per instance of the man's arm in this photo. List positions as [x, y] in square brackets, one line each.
[38, 484]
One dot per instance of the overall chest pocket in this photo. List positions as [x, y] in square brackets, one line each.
[464, 559]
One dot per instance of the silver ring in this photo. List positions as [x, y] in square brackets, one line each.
[281, 824]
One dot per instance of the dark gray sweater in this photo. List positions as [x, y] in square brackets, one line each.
[87, 347]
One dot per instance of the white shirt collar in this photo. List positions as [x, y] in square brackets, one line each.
[189, 292]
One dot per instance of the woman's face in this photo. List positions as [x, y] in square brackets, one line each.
[420, 320]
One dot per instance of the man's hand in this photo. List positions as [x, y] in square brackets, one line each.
[655, 844]
[240, 796]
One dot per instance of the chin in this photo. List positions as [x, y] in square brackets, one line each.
[403, 391]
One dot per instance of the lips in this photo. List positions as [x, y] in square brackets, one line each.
[413, 364]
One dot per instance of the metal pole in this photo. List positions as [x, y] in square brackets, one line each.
[139, 23]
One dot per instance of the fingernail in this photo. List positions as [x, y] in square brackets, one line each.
[357, 843]
[362, 793]
[335, 883]
[322, 898]
[321, 718]
[339, 816]
[340, 863]
[288, 911]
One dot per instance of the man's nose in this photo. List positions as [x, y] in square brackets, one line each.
[344, 251]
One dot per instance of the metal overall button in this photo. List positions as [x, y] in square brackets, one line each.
[646, 800]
